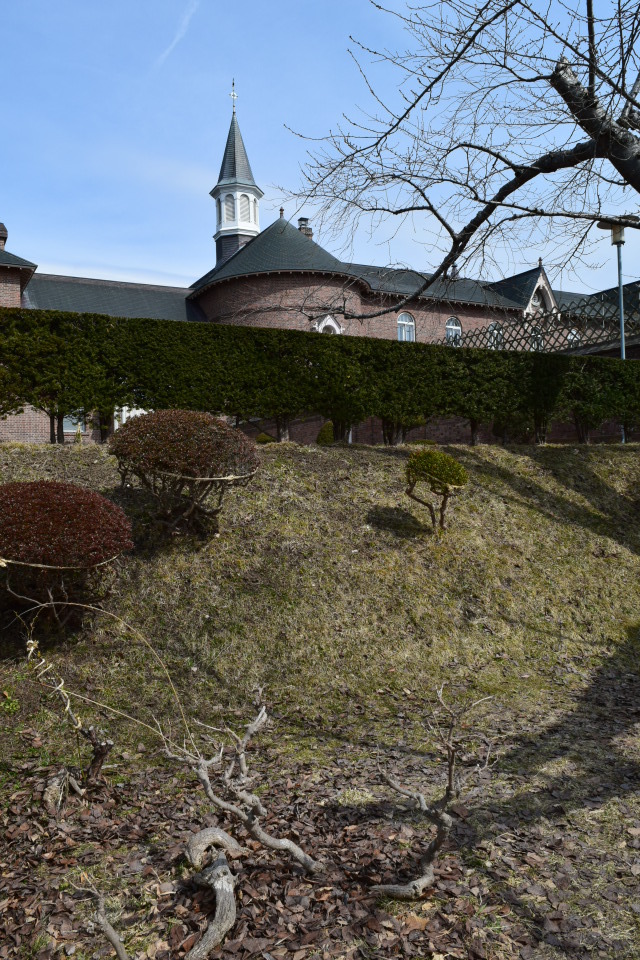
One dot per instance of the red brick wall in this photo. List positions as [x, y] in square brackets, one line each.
[440, 430]
[9, 287]
[32, 426]
[294, 301]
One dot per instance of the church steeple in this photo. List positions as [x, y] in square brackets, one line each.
[236, 194]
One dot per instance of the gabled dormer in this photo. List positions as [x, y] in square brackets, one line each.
[531, 290]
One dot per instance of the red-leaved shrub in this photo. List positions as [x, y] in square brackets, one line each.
[185, 443]
[56, 541]
[184, 458]
[60, 525]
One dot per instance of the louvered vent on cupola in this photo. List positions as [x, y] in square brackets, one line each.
[229, 207]
[244, 207]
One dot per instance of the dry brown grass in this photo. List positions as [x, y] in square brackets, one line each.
[327, 587]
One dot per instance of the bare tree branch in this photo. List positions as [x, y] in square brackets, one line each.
[499, 105]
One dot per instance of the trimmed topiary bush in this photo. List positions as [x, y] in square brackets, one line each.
[57, 541]
[441, 472]
[325, 435]
[183, 458]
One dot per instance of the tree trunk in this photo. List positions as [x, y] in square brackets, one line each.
[582, 429]
[106, 424]
[393, 433]
[474, 424]
[540, 429]
[340, 430]
[60, 431]
[282, 429]
[220, 879]
[52, 427]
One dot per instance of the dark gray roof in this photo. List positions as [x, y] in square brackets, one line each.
[603, 304]
[112, 297]
[406, 282]
[235, 162]
[564, 298]
[10, 260]
[520, 287]
[282, 247]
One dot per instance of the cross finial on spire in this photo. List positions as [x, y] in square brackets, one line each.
[233, 94]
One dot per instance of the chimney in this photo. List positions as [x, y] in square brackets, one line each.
[3, 236]
[304, 228]
[454, 272]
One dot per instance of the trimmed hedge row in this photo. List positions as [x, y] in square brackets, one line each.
[65, 362]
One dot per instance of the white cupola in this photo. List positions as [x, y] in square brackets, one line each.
[237, 196]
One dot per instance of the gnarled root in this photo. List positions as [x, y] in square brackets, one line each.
[277, 843]
[405, 891]
[249, 819]
[202, 842]
[220, 879]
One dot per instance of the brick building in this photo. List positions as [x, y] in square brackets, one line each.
[277, 277]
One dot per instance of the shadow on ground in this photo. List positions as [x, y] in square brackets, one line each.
[539, 809]
[612, 514]
[400, 522]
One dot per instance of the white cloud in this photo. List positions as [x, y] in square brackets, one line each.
[183, 26]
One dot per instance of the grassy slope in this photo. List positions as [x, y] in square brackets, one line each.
[326, 585]
[327, 588]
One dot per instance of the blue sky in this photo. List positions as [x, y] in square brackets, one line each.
[115, 116]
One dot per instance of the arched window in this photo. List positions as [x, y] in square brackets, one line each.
[453, 332]
[496, 337]
[229, 207]
[539, 300]
[244, 207]
[406, 328]
[255, 211]
[328, 325]
[536, 339]
[219, 211]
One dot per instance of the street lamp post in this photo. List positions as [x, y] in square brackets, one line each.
[617, 240]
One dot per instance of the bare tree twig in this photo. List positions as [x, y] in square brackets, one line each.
[452, 740]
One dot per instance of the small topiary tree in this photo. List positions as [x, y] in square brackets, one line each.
[57, 543]
[182, 458]
[443, 474]
[325, 435]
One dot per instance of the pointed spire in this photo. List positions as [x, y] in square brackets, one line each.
[235, 162]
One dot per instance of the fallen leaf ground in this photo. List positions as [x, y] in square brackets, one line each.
[327, 589]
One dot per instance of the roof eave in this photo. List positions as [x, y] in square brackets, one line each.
[221, 184]
[408, 297]
[26, 272]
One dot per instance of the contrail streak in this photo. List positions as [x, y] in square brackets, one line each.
[181, 31]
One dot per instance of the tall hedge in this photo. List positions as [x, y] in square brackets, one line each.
[65, 362]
